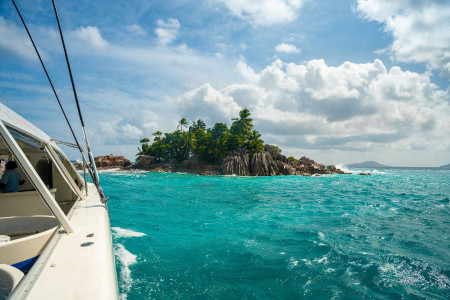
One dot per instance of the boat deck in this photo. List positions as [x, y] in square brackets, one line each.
[83, 258]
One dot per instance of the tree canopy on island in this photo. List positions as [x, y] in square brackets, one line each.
[211, 145]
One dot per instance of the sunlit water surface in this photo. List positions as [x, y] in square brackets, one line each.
[179, 236]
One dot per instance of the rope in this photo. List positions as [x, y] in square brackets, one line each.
[91, 157]
[51, 83]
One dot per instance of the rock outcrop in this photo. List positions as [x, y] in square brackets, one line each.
[285, 168]
[236, 164]
[331, 168]
[144, 160]
[107, 161]
[271, 162]
[111, 161]
[263, 164]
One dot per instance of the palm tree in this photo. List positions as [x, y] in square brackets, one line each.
[145, 147]
[182, 123]
[199, 125]
[242, 125]
[191, 141]
[157, 136]
[255, 144]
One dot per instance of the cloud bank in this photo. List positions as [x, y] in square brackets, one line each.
[421, 29]
[352, 107]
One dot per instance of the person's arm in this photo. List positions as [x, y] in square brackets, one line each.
[4, 180]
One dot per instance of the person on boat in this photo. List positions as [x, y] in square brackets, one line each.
[11, 179]
[2, 167]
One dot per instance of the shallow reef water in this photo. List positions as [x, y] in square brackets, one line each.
[183, 236]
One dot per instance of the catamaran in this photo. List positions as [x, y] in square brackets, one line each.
[55, 234]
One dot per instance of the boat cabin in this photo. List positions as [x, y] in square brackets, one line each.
[30, 216]
[26, 201]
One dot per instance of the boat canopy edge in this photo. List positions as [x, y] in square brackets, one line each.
[10, 117]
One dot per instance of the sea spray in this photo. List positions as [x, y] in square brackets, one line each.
[344, 168]
[125, 233]
[125, 259]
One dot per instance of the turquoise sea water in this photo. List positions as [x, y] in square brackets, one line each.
[181, 236]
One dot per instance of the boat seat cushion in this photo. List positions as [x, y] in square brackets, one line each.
[9, 279]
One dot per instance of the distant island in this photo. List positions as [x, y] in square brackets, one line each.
[368, 164]
[237, 150]
[445, 167]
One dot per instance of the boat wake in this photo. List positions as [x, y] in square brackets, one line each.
[125, 233]
[126, 259]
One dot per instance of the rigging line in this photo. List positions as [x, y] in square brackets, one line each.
[51, 83]
[90, 155]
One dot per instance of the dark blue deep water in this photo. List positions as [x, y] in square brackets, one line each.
[180, 236]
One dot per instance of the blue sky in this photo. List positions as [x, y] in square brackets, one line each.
[337, 81]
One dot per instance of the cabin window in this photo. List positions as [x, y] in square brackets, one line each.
[45, 167]
[25, 139]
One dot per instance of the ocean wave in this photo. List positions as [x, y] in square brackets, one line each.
[126, 233]
[321, 236]
[378, 172]
[413, 273]
[126, 259]
[344, 168]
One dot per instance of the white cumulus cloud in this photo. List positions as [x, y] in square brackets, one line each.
[208, 104]
[90, 36]
[421, 29]
[131, 131]
[264, 12]
[167, 32]
[15, 40]
[136, 30]
[286, 48]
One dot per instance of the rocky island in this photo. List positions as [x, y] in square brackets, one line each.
[266, 163]
[219, 150]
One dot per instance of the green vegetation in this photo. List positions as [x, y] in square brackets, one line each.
[210, 145]
[293, 159]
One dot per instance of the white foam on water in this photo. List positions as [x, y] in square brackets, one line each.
[347, 170]
[126, 259]
[322, 260]
[391, 273]
[344, 168]
[292, 263]
[126, 233]
[378, 172]
[321, 236]
[307, 262]
[113, 170]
